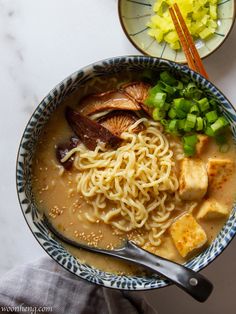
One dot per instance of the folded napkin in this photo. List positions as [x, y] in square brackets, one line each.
[44, 286]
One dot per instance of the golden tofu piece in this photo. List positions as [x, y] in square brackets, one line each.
[202, 141]
[212, 209]
[187, 234]
[193, 180]
[219, 171]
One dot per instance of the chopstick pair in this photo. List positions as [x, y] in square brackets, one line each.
[193, 59]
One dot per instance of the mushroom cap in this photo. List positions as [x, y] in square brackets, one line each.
[117, 100]
[118, 121]
[139, 92]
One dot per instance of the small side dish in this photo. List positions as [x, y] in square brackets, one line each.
[139, 21]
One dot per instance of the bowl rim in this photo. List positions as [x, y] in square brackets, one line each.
[181, 62]
[89, 67]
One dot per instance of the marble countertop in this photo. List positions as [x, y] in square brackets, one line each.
[41, 43]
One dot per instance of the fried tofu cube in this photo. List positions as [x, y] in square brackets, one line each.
[193, 180]
[202, 141]
[212, 209]
[187, 234]
[219, 171]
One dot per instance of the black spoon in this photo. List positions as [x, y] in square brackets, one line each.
[191, 282]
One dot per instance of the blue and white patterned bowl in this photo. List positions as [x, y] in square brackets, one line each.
[26, 152]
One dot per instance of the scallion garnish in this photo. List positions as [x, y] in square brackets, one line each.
[199, 124]
[158, 114]
[185, 110]
[190, 143]
[204, 104]
[172, 113]
[190, 121]
[168, 78]
[211, 116]
[219, 124]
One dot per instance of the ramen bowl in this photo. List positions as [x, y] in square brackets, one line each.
[33, 216]
[134, 16]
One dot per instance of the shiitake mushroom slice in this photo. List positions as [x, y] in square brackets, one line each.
[90, 132]
[61, 151]
[114, 99]
[118, 121]
[63, 148]
[74, 141]
[139, 92]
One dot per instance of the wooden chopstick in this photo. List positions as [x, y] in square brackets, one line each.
[193, 59]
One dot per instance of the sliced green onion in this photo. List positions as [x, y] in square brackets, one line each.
[209, 131]
[211, 116]
[199, 124]
[214, 104]
[204, 104]
[180, 113]
[192, 91]
[184, 109]
[159, 99]
[224, 120]
[149, 101]
[190, 140]
[190, 121]
[158, 114]
[156, 89]
[172, 113]
[167, 88]
[194, 109]
[164, 122]
[155, 99]
[166, 106]
[173, 126]
[177, 102]
[181, 124]
[190, 143]
[167, 78]
[179, 85]
[182, 104]
[189, 150]
[219, 124]
[151, 95]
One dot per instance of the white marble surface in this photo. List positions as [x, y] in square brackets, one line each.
[41, 43]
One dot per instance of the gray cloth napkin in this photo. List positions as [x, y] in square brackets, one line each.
[44, 283]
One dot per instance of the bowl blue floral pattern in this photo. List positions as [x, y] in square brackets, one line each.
[26, 152]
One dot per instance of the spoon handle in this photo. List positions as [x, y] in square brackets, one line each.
[191, 282]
